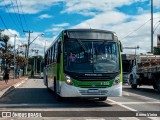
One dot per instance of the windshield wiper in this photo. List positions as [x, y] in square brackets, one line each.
[80, 42]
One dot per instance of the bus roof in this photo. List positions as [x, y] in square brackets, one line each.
[85, 30]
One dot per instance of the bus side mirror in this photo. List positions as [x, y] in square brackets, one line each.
[121, 47]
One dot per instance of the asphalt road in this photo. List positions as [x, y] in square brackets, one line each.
[33, 97]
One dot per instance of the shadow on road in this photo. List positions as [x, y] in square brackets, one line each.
[41, 98]
[147, 92]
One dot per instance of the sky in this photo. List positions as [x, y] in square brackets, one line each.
[130, 19]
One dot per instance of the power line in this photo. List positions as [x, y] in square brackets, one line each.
[138, 28]
[15, 13]
[23, 15]
[19, 14]
[10, 14]
[5, 25]
[135, 30]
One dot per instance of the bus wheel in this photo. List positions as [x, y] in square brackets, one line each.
[102, 98]
[133, 86]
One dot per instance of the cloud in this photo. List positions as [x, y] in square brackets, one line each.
[11, 33]
[89, 7]
[45, 16]
[156, 3]
[104, 20]
[37, 44]
[30, 6]
[61, 25]
[57, 28]
[140, 10]
[83, 7]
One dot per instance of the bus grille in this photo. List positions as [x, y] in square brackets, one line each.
[94, 78]
[96, 86]
[100, 92]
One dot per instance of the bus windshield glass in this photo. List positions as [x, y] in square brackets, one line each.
[87, 56]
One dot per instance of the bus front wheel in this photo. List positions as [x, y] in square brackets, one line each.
[102, 98]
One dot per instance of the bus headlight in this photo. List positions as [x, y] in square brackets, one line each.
[68, 80]
[116, 80]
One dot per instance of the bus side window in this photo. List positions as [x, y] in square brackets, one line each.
[59, 52]
[55, 54]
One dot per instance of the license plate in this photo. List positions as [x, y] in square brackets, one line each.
[93, 90]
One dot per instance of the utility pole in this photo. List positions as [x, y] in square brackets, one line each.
[151, 26]
[29, 37]
[15, 56]
[36, 60]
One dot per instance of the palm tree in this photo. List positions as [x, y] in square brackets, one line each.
[4, 50]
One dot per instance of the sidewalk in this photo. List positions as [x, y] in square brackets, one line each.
[12, 84]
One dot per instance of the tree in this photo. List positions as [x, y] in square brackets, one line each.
[5, 49]
[39, 63]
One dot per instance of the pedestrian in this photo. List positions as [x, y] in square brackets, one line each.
[32, 73]
[18, 72]
[6, 75]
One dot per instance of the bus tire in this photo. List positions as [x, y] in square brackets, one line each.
[133, 86]
[58, 97]
[102, 98]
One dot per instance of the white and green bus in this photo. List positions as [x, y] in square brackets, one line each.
[84, 63]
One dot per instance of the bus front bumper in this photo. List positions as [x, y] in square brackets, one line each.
[72, 91]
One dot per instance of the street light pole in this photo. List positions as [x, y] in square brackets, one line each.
[151, 26]
[29, 36]
[35, 60]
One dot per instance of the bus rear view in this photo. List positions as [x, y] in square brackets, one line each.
[89, 64]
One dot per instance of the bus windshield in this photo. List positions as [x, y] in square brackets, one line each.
[87, 56]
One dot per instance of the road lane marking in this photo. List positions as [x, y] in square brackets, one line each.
[154, 118]
[95, 119]
[125, 93]
[131, 109]
[139, 102]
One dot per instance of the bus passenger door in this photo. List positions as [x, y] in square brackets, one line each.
[59, 67]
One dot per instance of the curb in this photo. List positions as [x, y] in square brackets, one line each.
[11, 88]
